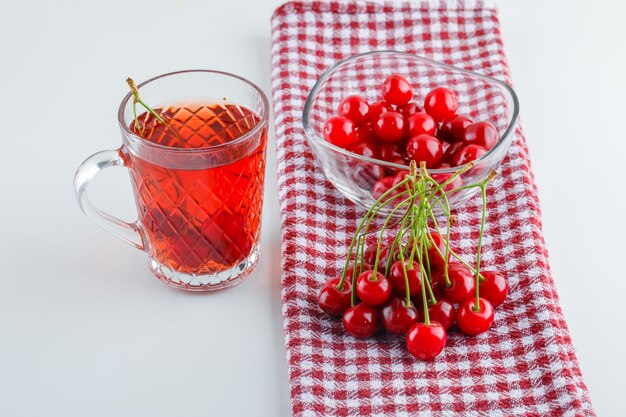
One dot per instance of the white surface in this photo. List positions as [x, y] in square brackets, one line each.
[84, 328]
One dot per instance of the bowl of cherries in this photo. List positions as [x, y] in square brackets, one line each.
[370, 115]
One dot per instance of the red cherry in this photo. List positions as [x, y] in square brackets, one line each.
[421, 123]
[454, 130]
[389, 127]
[399, 177]
[361, 321]
[441, 103]
[467, 154]
[397, 317]
[425, 148]
[355, 108]
[333, 300]
[481, 134]
[435, 260]
[377, 108]
[396, 276]
[462, 284]
[494, 288]
[339, 131]
[364, 149]
[391, 152]
[442, 312]
[409, 109]
[472, 322]
[372, 292]
[369, 254]
[397, 90]
[448, 155]
[381, 186]
[425, 341]
[366, 134]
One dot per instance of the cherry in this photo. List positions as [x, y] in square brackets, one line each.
[389, 127]
[340, 131]
[369, 254]
[399, 177]
[381, 186]
[409, 109]
[494, 287]
[391, 152]
[397, 90]
[377, 108]
[467, 154]
[425, 341]
[442, 312]
[361, 321]
[373, 288]
[425, 148]
[481, 134]
[420, 123]
[472, 322]
[397, 316]
[396, 276]
[366, 134]
[441, 103]
[461, 286]
[448, 155]
[333, 300]
[454, 130]
[355, 108]
[363, 149]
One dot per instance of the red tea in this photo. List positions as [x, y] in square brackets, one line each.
[202, 213]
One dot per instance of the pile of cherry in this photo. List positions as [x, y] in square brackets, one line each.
[416, 285]
[399, 130]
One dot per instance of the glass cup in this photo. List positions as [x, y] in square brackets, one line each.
[198, 187]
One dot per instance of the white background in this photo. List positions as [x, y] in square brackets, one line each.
[85, 330]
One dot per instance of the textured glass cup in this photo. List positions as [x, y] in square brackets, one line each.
[198, 201]
[480, 98]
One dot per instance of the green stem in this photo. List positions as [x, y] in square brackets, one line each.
[418, 236]
[149, 109]
[384, 227]
[406, 281]
[369, 215]
[483, 191]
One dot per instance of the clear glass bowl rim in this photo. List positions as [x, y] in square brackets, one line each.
[312, 136]
[263, 117]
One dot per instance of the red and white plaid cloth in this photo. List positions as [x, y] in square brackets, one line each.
[525, 365]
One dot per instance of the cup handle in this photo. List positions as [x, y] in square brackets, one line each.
[128, 232]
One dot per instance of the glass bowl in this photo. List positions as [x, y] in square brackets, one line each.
[481, 98]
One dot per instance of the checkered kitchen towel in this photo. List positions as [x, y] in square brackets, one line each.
[525, 365]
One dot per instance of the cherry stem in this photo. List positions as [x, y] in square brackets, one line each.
[354, 275]
[137, 99]
[406, 281]
[431, 294]
[483, 192]
[384, 227]
[418, 230]
[382, 201]
[397, 242]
